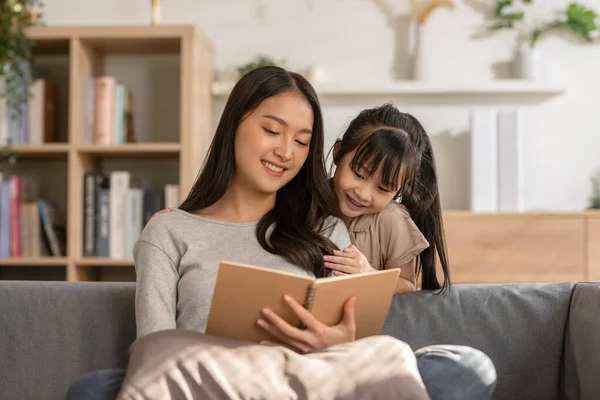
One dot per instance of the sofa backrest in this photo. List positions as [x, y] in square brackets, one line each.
[521, 327]
[52, 332]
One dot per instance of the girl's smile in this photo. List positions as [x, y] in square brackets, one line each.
[353, 203]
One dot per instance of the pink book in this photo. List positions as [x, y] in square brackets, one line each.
[103, 112]
[15, 216]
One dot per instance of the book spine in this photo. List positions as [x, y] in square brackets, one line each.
[309, 298]
[153, 202]
[36, 230]
[15, 218]
[103, 112]
[103, 223]
[4, 219]
[119, 185]
[47, 225]
[89, 113]
[133, 227]
[49, 112]
[25, 233]
[171, 195]
[35, 116]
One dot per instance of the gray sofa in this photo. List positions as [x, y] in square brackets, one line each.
[544, 339]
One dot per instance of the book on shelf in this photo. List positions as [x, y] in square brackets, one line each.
[242, 291]
[37, 121]
[115, 210]
[108, 111]
[30, 226]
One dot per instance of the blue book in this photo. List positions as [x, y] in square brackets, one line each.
[5, 219]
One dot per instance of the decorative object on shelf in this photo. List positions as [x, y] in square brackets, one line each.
[595, 197]
[316, 74]
[155, 15]
[577, 19]
[16, 16]
[420, 14]
[408, 29]
[257, 62]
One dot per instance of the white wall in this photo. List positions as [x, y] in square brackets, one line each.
[356, 39]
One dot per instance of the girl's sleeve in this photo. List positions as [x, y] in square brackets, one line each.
[401, 239]
[156, 289]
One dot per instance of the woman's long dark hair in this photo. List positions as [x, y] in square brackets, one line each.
[302, 205]
[398, 142]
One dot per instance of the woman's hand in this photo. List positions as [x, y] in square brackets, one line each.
[348, 261]
[316, 335]
[161, 211]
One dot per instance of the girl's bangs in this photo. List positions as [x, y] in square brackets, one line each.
[389, 149]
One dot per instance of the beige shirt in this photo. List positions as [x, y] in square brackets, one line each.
[388, 239]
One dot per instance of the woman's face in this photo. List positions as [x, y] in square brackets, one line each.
[273, 142]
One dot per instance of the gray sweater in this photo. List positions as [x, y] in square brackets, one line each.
[177, 258]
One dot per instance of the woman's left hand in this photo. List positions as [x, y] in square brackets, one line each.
[316, 335]
[348, 261]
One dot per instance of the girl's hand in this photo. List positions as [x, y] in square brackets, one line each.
[316, 335]
[161, 211]
[348, 261]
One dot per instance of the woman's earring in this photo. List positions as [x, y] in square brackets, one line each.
[399, 198]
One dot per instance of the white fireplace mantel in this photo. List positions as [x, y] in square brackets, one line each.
[498, 93]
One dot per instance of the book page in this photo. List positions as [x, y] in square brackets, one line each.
[374, 292]
[242, 291]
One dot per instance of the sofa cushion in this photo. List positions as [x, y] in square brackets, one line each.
[521, 327]
[52, 332]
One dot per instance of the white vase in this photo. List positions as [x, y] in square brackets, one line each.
[528, 63]
[421, 67]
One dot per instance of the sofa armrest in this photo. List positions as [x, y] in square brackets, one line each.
[582, 343]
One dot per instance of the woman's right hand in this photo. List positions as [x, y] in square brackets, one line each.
[317, 335]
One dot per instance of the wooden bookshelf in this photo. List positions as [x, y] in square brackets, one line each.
[103, 262]
[35, 262]
[47, 150]
[82, 52]
[138, 149]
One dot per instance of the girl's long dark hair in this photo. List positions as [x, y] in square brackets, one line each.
[398, 142]
[301, 206]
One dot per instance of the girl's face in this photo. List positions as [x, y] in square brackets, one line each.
[273, 142]
[359, 194]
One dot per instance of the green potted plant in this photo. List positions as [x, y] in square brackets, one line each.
[576, 19]
[257, 62]
[16, 16]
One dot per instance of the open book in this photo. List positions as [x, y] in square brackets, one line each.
[242, 291]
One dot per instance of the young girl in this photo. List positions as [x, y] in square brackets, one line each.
[262, 198]
[387, 190]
